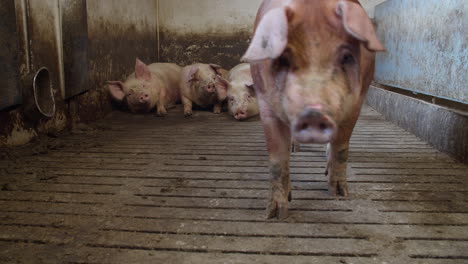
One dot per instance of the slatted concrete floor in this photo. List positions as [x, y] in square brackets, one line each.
[139, 189]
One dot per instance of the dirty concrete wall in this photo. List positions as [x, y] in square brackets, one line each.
[443, 128]
[44, 35]
[10, 93]
[369, 6]
[75, 46]
[117, 31]
[39, 45]
[208, 31]
[426, 47]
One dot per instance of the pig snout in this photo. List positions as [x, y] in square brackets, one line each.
[240, 115]
[313, 126]
[210, 88]
[144, 98]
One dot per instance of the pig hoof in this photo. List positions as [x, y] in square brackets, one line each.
[217, 112]
[290, 196]
[162, 114]
[338, 188]
[278, 210]
[188, 114]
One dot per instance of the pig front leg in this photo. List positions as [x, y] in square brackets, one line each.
[336, 168]
[161, 110]
[217, 109]
[337, 156]
[187, 106]
[278, 139]
[162, 106]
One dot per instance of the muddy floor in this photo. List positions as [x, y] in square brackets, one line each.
[142, 189]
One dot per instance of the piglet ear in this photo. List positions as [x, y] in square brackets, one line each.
[250, 89]
[142, 71]
[270, 38]
[116, 89]
[358, 24]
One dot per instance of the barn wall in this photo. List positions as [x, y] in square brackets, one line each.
[80, 58]
[424, 70]
[208, 31]
[9, 72]
[426, 47]
[369, 6]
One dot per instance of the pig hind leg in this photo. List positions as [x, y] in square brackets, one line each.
[278, 139]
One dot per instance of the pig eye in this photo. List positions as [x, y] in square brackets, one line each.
[284, 61]
[346, 58]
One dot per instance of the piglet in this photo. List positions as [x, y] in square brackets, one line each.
[150, 86]
[205, 85]
[242, 102]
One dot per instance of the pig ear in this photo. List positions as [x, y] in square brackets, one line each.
[142, 71]
[116, 89]
[270, 38]
[222, 81]
[222, 85]
[358, 24]
[192, 74]
[250, 89]
[216, 68]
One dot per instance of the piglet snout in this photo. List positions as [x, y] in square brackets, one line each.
[313, 126]
[240, 115]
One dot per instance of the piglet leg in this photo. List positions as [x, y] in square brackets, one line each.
[278, 139]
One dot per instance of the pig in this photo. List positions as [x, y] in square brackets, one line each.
[205, 85]
[312, 62]
[150, 86]
[242, 102]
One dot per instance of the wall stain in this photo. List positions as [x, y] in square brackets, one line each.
[223, 49]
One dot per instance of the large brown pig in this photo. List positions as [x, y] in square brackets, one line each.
[312, 63]
[205, 85]
[242, 101]
[150, 86]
